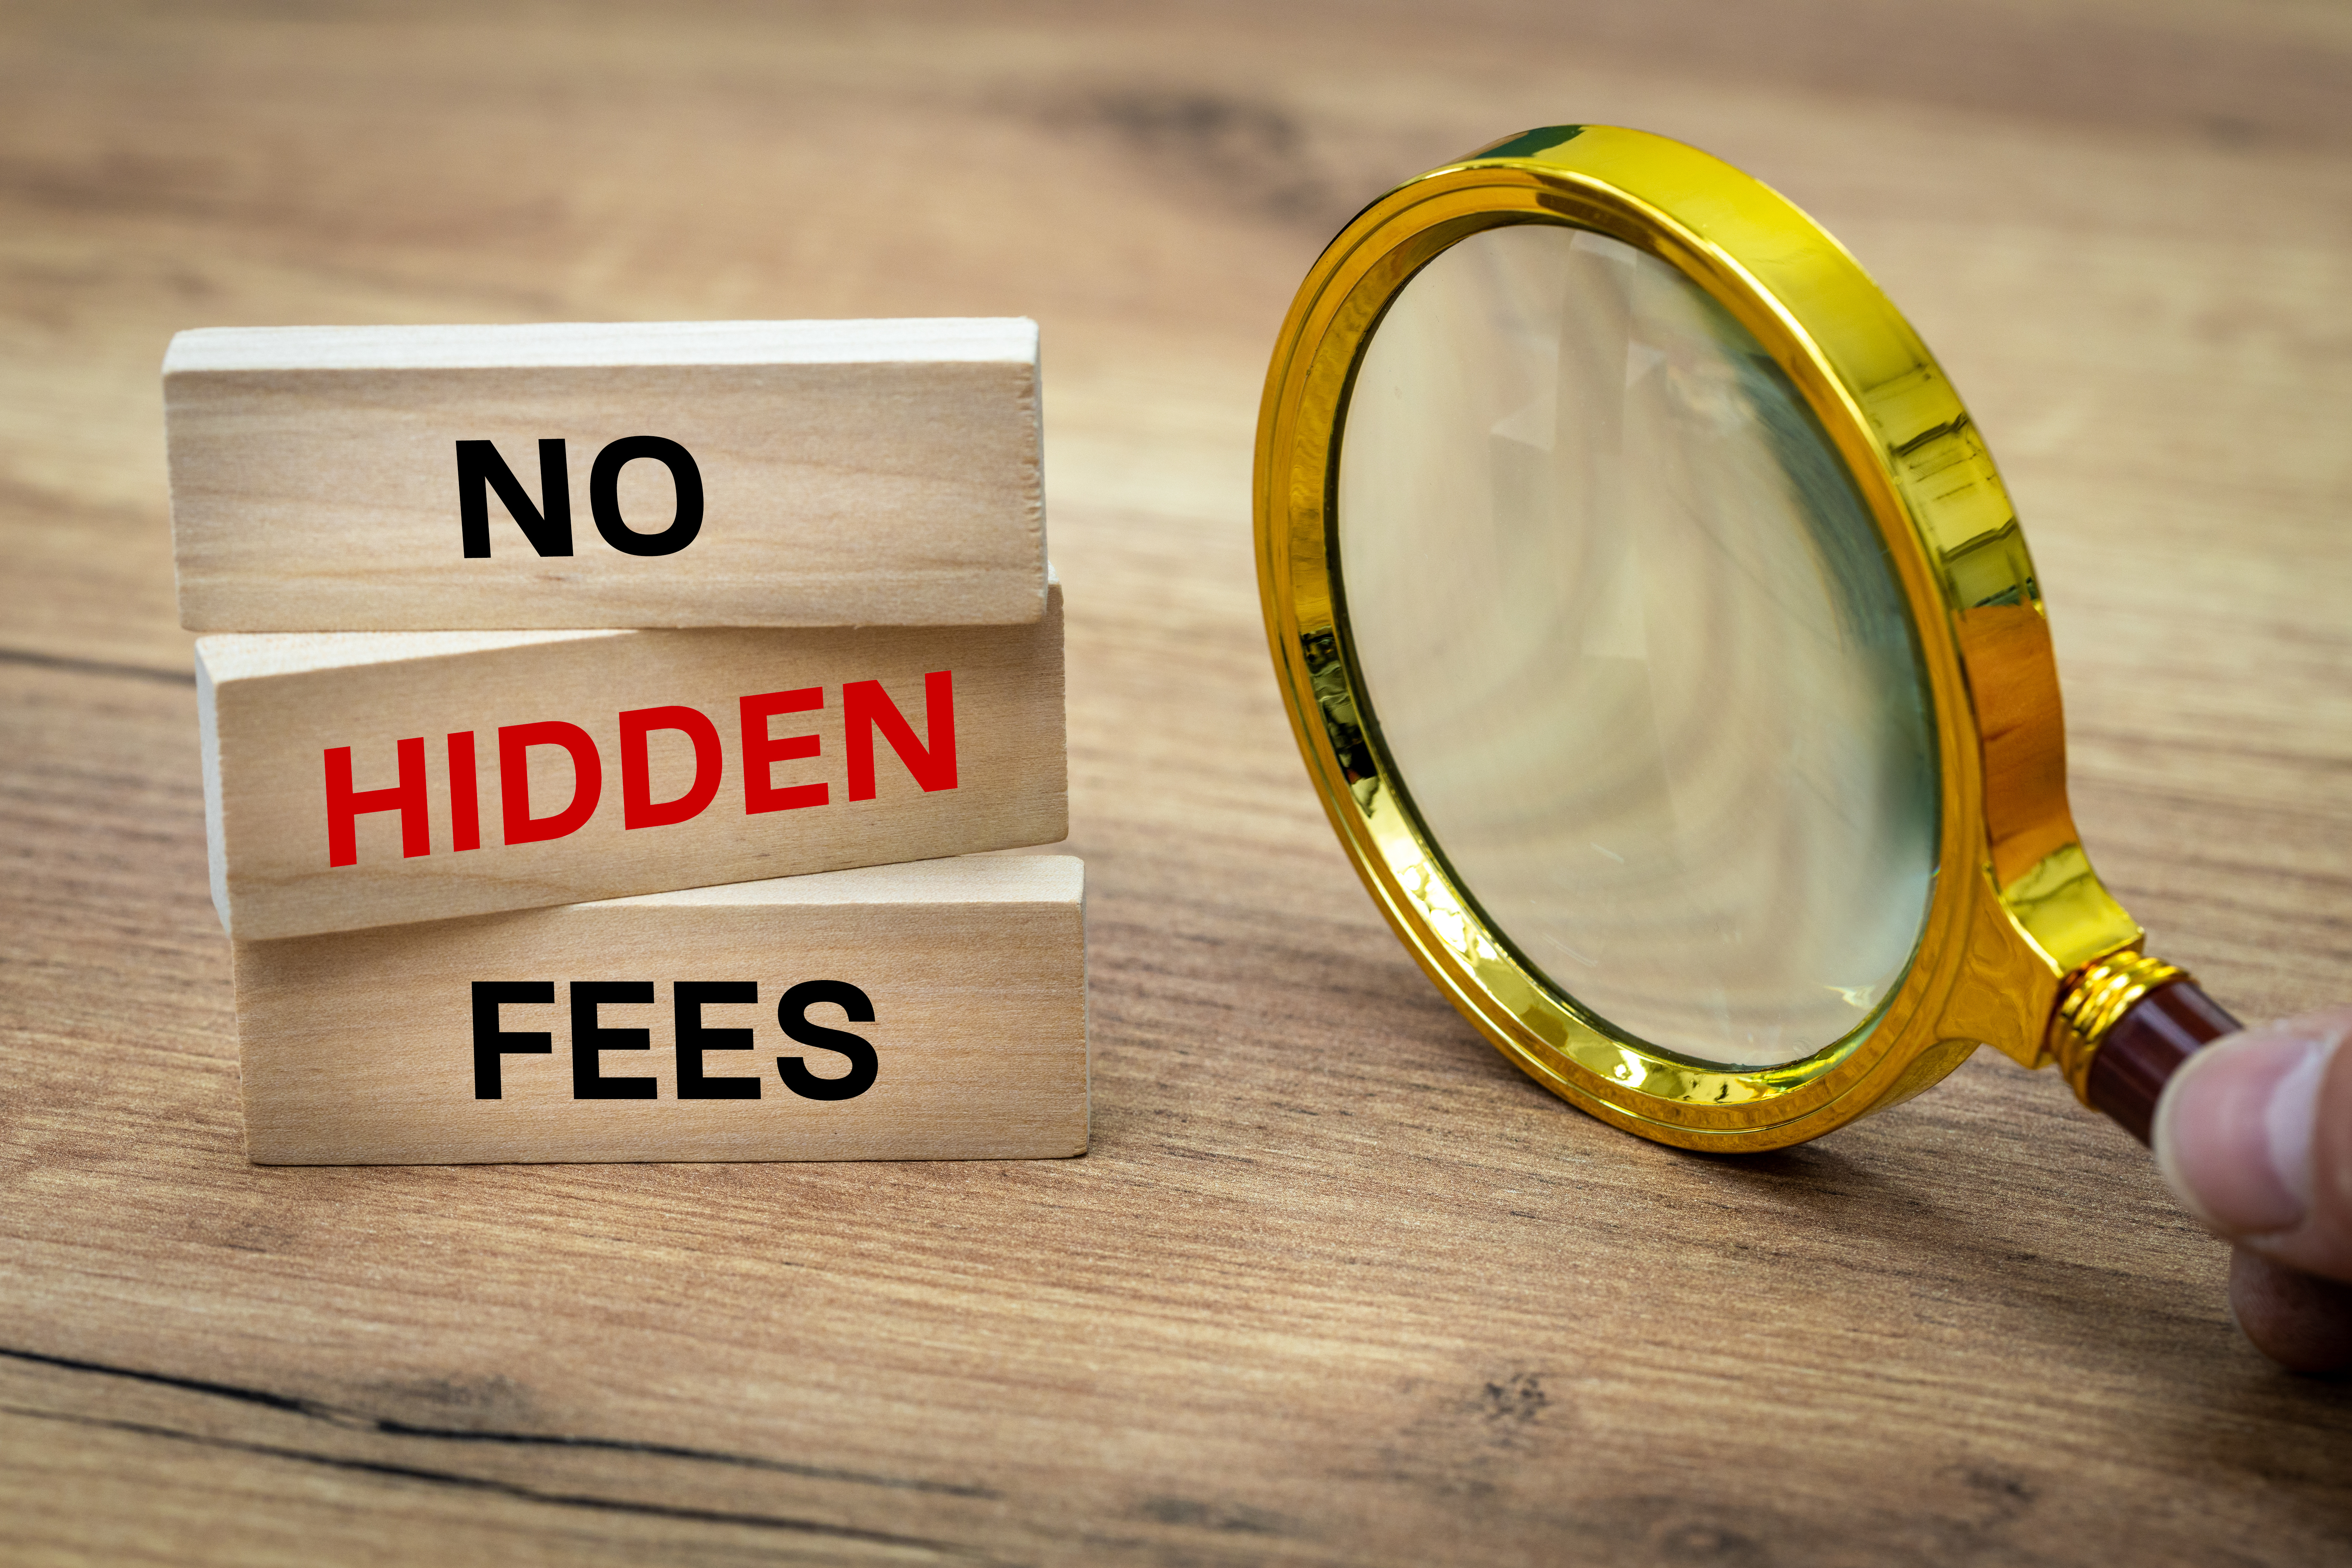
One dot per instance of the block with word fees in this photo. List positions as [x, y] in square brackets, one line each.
[935, 1011]
[370, 778]
[717, 473]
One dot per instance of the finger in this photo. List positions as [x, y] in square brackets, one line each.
[2255, 1135]
[2302, 1322]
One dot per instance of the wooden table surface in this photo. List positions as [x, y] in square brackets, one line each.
[1335, 1284]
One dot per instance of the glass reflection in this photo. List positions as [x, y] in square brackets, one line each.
[1634, 647]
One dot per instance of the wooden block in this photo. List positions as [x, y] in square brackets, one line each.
[848, 473]
[367, 778]
[955, 991]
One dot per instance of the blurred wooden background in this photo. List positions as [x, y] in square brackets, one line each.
[1335, 1285]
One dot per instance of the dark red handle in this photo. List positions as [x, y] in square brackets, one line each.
[2147, 1045]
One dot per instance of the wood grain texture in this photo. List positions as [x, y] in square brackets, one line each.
[1333, 1284]
[837, 473]
[279, 711]
[363, 1047]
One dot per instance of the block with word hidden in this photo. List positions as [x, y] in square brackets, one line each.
[372, 778]
[656, 474]
[934, 1011]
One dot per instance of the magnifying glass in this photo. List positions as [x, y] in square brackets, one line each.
[1665, 650]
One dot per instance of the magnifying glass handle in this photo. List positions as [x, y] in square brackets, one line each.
[2137, 1054]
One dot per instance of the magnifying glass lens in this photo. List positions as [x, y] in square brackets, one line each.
[1634, 647]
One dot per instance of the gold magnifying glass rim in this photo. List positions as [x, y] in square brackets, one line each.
[2015, 907]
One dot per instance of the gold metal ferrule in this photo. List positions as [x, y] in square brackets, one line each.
[2092, 1001]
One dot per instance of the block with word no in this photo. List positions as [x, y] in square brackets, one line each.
[933, 1011]
[656, 474]
[371, 778]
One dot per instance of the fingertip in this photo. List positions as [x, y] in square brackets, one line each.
[2301, 1321]
[2232, 1129]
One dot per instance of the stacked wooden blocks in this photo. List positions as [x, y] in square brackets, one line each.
[506, 883]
